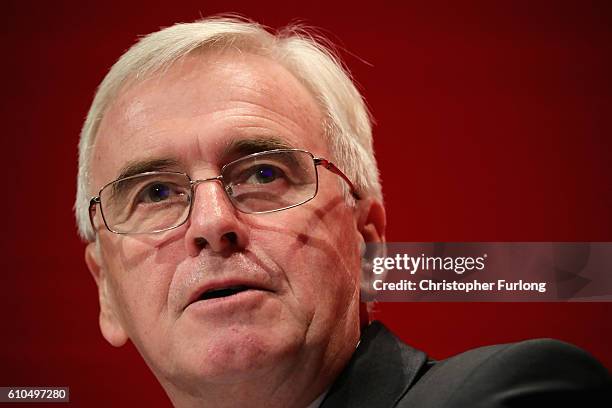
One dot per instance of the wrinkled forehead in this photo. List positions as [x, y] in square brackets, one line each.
[201, 104]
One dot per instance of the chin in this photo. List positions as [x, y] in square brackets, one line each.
[235, 353]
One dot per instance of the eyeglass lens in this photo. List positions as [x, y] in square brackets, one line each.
[259, 183]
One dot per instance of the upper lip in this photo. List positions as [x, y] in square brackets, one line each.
[222, 284]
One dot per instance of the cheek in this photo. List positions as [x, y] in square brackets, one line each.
[317, 254]
[141, 275]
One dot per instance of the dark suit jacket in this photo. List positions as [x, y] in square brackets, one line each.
[384, 372]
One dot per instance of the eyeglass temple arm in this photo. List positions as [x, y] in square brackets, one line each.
[332, 167]
[92, 210]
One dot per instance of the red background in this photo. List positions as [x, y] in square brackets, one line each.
[493, 124]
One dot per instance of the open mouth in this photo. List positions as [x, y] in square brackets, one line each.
[223, 292]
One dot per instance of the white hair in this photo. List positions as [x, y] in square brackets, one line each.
[308, 57]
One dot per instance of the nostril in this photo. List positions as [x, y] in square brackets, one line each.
[226, 242]
[231, 237]
[200, 242]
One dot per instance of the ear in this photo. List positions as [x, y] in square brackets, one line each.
[110, 324]
[371, 223]
[372, 220]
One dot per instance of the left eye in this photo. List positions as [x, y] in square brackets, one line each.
[264, 175]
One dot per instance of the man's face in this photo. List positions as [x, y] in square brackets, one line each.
[302, 263]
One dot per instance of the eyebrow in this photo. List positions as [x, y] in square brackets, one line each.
[144, 166]
[244, 147]
[236, 148]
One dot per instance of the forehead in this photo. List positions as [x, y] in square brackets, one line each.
[203, 103]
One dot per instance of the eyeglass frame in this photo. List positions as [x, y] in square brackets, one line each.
[317, 161]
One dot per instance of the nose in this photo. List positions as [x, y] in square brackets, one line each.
[214, 223]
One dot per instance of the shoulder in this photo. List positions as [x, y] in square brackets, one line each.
[532, 372]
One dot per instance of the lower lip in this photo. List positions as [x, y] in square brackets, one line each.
[245, 300]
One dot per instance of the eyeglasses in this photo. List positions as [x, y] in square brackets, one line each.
[259, 183]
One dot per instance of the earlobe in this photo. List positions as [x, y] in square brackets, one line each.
[371, 225]
[110, 325]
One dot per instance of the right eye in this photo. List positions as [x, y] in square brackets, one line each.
[157, 192]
